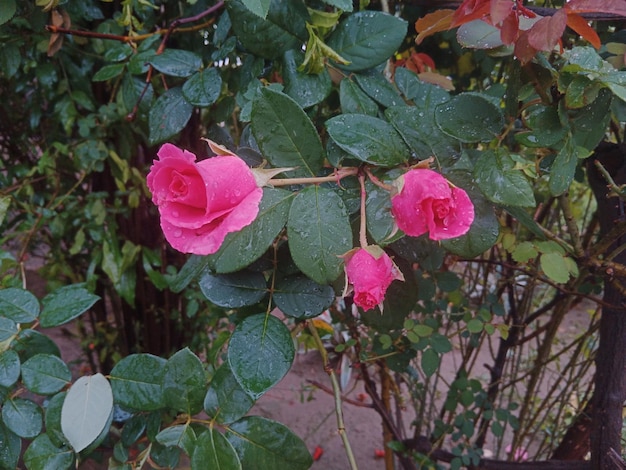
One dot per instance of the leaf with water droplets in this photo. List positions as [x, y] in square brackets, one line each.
[470, 118]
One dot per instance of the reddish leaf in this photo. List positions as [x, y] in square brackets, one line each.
[509, 29]
[580, 25]
[546, 32]
[500, 10]
[617, 7]
[523, 50]
[432, 23]
[470, 10]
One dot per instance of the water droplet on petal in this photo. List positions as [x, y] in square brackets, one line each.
[178, 233]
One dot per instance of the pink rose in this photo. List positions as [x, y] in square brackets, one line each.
[201, 202]
[427, 202]
[370, 271]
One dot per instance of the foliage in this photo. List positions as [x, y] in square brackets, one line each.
[314, 96]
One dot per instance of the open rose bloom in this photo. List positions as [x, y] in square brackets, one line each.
[370, 271]
[427, 203]
[201, 202]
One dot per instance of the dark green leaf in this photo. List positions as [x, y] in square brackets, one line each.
[285, 134]
[9, 368]
[258, 7]
[108, 72]
[545, 125]
[86, 411]
[260, 353]
[589, 124]
[226, 401]
[10, 447]
[563, 169]
[23, 417]
[191, 269]
[31, 342]
[181, 436]
[242, 248]
[137, 382]
[501, 182]
[270, 445]
[8, 328]
[215, 452]
[301, 297]
[169, 115]
[177, 62]
[379, 88]
[164, 457]
[380, 223]
[65, 304]
[367, 38]
[283, 29]
[19, 305]
[369, 139]
[45, 374]
[52, 420]
[42, 454]
[10, 60]
[354, 100]
[470, 118]
[344, 5]
[203, 88]
[430, 361]
[306, 89]
[233, 290]
[184, 382]
[7, 10]
[319, 233]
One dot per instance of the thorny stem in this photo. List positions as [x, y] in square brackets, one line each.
[363, 225]
[336, 176]
[572, 228]
[337, 395]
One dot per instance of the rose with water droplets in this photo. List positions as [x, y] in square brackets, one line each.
[370, 271]
[427, 203]
[202, 202]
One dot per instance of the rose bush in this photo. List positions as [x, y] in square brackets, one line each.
[370, 271]
[201, 202]
[427, 203]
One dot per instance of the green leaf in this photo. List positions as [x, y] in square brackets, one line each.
[300, 297]
[367, 39]
[137, 382]
[260, 353]
[42, 454]
[181, 436]
[52, 419]
[45, 374]
[10, 447]
[9, 368]
[23, 417]
[65, 304]
[7, 10]
[18, 305]
[258, 7]
[233, 290]
[10, 60]
[215, 452]
[8, 328]
[283, 29]
[177, 62]
[354, 100]
[203, 88]
[86, 410]
[475, 325]
[184, 382]
[430, 361]
[268, 444]
[344, 5]
[380, 223]
[242, 248]
[368, 138]
[191, 269]
[31, 342]
[226, 401]
[563, 169]
[108, 72]
[306, 89]
[319, 233]
[479, 34]
[379, 88]
[470, 118]
[589, 124]
[545, 125]
[169, 115]
[285, 134]
[501, 182]
[555, 267]
[5, 201]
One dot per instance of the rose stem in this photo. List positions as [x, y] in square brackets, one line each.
[337, 394]
[336, 176]
[363, 226]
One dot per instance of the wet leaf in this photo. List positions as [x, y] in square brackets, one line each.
[42, 454]
[9, 368]
[203, 88]
[213, 451]
[226, 401]
[233, 290]
[181, 436]
[169, 115]
[501, 182]
[45, 374]
[18, 305]
[470, 118]
[260, 353]
[177, 62]
[10, 447]
[23, 417]
[184, 382]
[354, 100]
[65, 304]
[137, 382]
[301, 297]
[306, 89]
